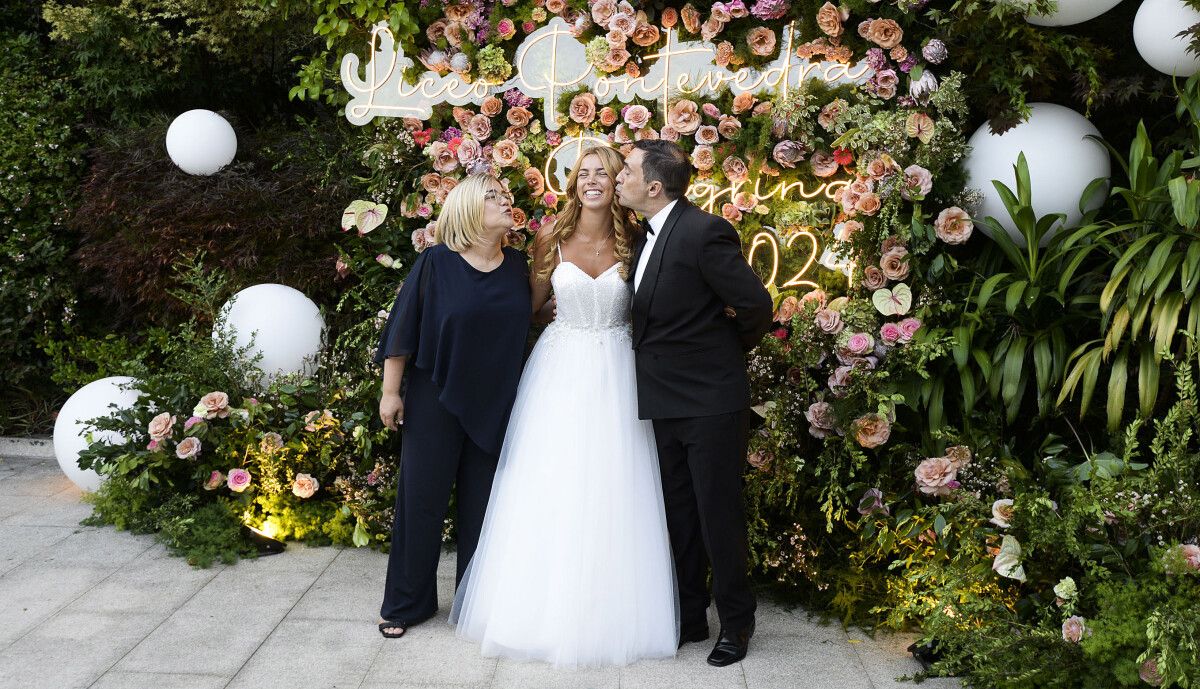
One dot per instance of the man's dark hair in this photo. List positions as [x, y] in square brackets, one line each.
[668, 163]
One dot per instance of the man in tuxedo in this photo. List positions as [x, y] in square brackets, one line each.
[697, 308]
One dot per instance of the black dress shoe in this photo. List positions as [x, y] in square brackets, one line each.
[690, 635]
[731, 646]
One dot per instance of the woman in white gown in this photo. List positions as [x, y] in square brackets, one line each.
[573, 565]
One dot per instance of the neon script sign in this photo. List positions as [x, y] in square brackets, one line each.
[551, 60]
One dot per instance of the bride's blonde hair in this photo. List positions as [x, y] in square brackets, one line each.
[564, 225]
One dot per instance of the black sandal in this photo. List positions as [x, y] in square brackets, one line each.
[384, 626]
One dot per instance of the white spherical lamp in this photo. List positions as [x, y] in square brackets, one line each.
[1155, 33]
[286, 327]
[1062, 163]
[90, 401]
[1073, 12]
[201, 142]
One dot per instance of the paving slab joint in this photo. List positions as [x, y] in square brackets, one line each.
[32, 448]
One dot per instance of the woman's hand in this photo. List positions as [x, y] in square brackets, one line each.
[547, 313]
[391, 411]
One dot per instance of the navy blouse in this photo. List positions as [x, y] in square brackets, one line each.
[467, 328]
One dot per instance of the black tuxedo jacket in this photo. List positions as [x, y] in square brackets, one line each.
[690, 356]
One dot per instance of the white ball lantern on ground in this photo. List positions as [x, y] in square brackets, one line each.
[1155, 33]
[286, 327]
[89, 402]
[1062, 163]
[201, 142]
[1073, 12]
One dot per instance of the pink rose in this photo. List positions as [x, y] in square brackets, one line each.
[1074, 629]
[215, 479]
[623, 22]
[710, 28]
[759, 459]
[636, 116]
[192, 421]
[1191, 555]
[839, 379]
[894, 263]
[187, 448]
[872, 430]
[935, 476]
[953, 225]
[214, 405]
[707, 135]
[820, 419]
[860, 344]
[873, 278]
[829, 321]
[238, 480]
[602, 11]
[550, 199]
[468, 150]
[480, 127]
[152, 446]
[710, 110]
[890, 333]
[908, 328]
[684, 116]
[506, 28]
[443, 158]
[162, 426]
[668, 133]
[305, 486]
[745, 201]
[1149, 673]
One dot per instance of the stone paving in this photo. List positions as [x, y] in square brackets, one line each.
[98, 608]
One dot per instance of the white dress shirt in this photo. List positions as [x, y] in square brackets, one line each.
[656, 224]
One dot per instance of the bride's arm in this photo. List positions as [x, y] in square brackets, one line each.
[542, 306]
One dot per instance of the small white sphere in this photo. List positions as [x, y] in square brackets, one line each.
[1073, 12]
[1155, 29]
[88, 402]
[1062, 163]
[201, 142]
[286, 327]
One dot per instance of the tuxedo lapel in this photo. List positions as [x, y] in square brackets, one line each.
[644, 296]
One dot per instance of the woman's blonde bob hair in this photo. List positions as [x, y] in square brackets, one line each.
[460, 224]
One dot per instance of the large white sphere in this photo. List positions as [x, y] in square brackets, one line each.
[1154, 33]
[201, 142]
[285, 324]
[1062, 163]
[1073, 12]
[88, 402]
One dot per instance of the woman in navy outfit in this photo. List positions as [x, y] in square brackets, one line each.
[458, 329]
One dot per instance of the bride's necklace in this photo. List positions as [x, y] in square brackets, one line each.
[597, 244]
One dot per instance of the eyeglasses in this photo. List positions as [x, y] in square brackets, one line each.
[493, 195]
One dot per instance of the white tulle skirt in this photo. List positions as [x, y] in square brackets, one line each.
[574, 563]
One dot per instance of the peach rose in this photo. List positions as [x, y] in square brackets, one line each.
[885, 33]
[868, 203]
[669, 18]
[637, 116]
[684, 116]
[1002, 513]
[431, 182]
[761, 41]
[691, 18]
[729, 126]
[953, 225]
[646, 134]
[632, 70]
[959, 456]
[829, 20]
[214, 405]
[735, 169]
[535, 181]
[305, 486]
[188, 447]
[702, 158]
[645, 35]
[161, 427]
[615, 39]
[829, 321]
[468, 150]
[936, 476]
[458, 12]
[1074, 629]
[520, 219]
[491, 106]
[731, 213]
[829, 114]
[516, 133]
[707, 135]
[669, 133]
[872, 430]
[480, 127]
[723, 54]
[788, 308]
[608, 116]
[873, 278]
[710, 28]
[505, 153]
[821, 419]
[436, 31]
[583, 108]
[519, 116]
[556, 6]
[759, 459]
[743, 102]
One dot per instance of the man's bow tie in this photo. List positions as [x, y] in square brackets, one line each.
[647, 228]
